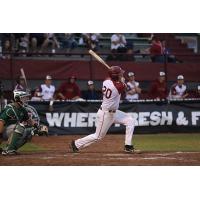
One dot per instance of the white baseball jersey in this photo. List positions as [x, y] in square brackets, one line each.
[177, 91]
[111, 94]
[131, 86]
[105, 118]
[47, 91]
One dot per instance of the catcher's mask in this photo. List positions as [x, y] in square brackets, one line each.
[21, 96]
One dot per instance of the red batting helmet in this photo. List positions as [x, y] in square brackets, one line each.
[114, 72]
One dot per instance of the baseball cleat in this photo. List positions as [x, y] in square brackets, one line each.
[73, 147]
[131, 149]
[9, 152]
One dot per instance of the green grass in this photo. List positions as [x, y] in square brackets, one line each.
[167, 142]
[150, 142]
[29, 147]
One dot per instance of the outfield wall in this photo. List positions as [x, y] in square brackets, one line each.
[86, 70]
[149, 116]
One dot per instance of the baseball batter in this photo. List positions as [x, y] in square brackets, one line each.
[108, 113]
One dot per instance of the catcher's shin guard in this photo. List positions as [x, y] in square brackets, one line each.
[19, 137]
[13, 141]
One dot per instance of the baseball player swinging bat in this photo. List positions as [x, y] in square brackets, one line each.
[98, 58]
[108, 112]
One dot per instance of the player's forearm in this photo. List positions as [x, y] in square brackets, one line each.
[186, 95]
[132, 92]
[138, 90]
[115, 42]
[61, 96]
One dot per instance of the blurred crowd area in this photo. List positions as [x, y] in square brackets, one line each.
[145, 47]
[131, 47]
[70, 89]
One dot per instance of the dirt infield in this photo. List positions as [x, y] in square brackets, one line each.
[107, 152]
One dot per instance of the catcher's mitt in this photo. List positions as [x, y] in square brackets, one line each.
[41, 130]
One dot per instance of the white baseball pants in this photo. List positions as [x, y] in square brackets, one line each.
[104, 121]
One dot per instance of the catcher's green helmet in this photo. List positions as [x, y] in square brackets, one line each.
[21, 96]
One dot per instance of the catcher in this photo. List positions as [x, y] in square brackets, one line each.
[21, 122]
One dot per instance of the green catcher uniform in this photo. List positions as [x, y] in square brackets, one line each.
[18, 120]
[15, 118]
[32, 113]
[13, 114]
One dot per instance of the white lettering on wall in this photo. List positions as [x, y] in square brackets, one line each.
[70, 121]
[92, 119]
[195, 117]
[155, 118]
[81, 120]
[166, 117]
[143, 118]
[181, 119]
[54, 119]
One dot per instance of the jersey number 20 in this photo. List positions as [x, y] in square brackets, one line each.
[107, 92]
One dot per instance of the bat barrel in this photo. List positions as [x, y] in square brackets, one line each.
[98, 58]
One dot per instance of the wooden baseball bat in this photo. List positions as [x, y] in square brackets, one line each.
[24, 77]
[98, 58]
